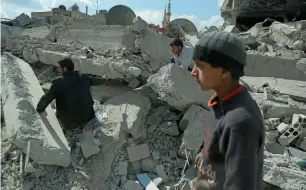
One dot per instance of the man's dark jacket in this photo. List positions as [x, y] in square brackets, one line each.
[74, 103]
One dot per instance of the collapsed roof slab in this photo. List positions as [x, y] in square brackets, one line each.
[265, 66]
[109, 68]
[96, 36]
[21, 92]
[294, 88]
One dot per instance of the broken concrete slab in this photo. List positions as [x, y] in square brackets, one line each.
[107, 67]
[177, 87]
[194, 119]
[155, 45]
[88, 145]
[112, 140]
[290, 177]
[283, 33]
[21, 93]
[273, 109]
[294, 88]
[138, 152]
[96, 36]
[130, 108]
[36, 32]
[265, 66]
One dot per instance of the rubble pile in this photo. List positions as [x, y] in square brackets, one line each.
[149, 128]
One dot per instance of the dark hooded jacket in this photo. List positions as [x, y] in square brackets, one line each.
[74, 103]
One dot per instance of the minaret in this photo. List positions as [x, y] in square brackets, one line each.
[164, 22]
[169, 12]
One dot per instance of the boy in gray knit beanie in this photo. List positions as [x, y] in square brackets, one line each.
[231, 157]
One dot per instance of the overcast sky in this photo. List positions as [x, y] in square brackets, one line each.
[201, 12]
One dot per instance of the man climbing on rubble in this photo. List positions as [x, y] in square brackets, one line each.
[182, 54]
[71, 91]
[232, 153]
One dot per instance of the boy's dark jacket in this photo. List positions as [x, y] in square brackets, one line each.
[233, 144]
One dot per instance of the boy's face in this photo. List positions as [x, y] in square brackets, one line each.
[207, 76]
[176, 49]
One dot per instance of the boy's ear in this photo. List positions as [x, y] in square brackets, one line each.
[225, 74]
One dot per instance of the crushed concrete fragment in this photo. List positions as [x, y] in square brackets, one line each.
[22, 90]
[147, 165]
[138, 152]
[130, 109]
[88, 145]
[176, 86]
[195, 119]
[160, 171]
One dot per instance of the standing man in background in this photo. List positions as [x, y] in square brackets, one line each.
[182, 54]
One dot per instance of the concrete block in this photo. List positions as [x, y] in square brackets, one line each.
[282, 127]
[122, 170]
[273, 123]
[138, 152]
[21, 92]
[195, 119]
[177, 87]
[88, 144]
[265, 66]
[297, 153]
[232, 29]
[132, 185]
[289, 135]
[131, 109]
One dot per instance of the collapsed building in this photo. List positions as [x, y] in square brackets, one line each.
[149, 130]
[246, 13]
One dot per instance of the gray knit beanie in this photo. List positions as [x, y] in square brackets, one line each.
[222, 49]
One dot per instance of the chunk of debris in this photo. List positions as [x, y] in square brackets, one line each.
[176, 86]
[194, 120]
[22, 89]
[138, 152]
[131, 109]
[88, 144]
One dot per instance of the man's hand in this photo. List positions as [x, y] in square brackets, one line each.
[198, 160]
